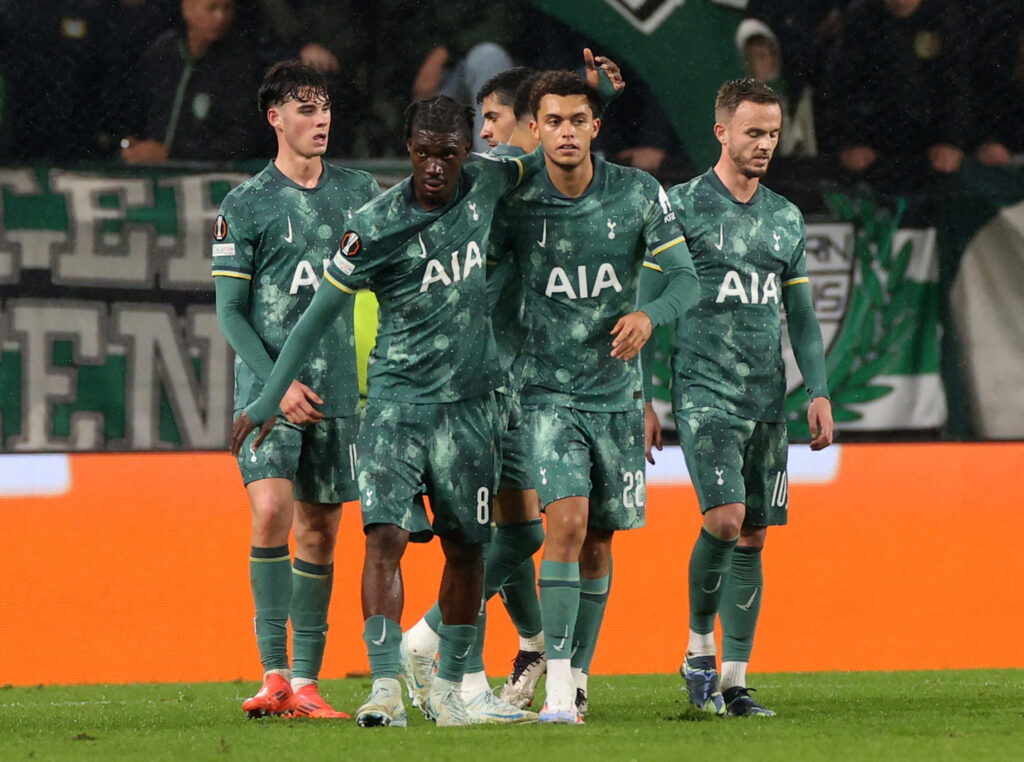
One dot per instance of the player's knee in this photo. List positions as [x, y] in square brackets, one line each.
[529, 538]
[318, 542]
[385, 542]
[725, 521]
[461, 555]
[753, 538]
[595, 557]
[270, 524]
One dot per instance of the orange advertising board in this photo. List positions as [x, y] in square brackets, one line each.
[133, 568]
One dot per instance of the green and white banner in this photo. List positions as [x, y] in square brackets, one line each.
[683, 49]
[877, 297]
[108, 333]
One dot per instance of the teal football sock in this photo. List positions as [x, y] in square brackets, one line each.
[383, 637]
[311, 597]
[559, 606]
[270, 576]
[741, 604]
[709, 566]
[519, 594]
[593, 600]
[456, 644]
[511, 545]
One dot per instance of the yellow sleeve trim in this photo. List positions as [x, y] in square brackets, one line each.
[653, 266]
[669, 245]
[335, 283]
[230, 274]
[519, 164]
[794, 281]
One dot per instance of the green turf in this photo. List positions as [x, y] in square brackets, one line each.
[976, 715]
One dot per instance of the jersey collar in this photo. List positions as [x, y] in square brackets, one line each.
[719, 186]
[595, 181]
[285, 180]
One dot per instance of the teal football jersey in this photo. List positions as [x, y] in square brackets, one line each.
[280, 237]
[435, 342]
[728, 351]
[579, 260]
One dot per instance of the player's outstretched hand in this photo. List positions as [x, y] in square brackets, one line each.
[297, 404]
[631, 333]
[819, 418]
[594, 64]
[652, 431]
[243, 426]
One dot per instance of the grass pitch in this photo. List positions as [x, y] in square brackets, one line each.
[931, 716]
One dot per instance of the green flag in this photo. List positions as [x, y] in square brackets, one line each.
[684, 49]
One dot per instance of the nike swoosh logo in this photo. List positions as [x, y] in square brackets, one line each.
[715, 588]
[561, 646]
[383, 634]
[423, 246]
[544, 235]
[288, 238]
[749, 603]
[721, 238]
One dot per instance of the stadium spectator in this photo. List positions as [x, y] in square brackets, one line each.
[450, 48]
[806, 30]
[193, 87]
[997, 83]
[129, 27]
[762, 56]
[899, 91]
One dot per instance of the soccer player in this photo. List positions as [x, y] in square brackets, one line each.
[728, 383]
[496, 100]
[274, 233]
[578, 233]
[508, 560]
[431, 419]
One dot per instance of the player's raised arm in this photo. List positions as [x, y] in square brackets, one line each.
[604, 75]
[808, 349]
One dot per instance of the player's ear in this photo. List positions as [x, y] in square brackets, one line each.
[720, 132]
[535, 129]
[597, 126]
[273, 116]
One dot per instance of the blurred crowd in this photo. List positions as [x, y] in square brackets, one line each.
[890, 91]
